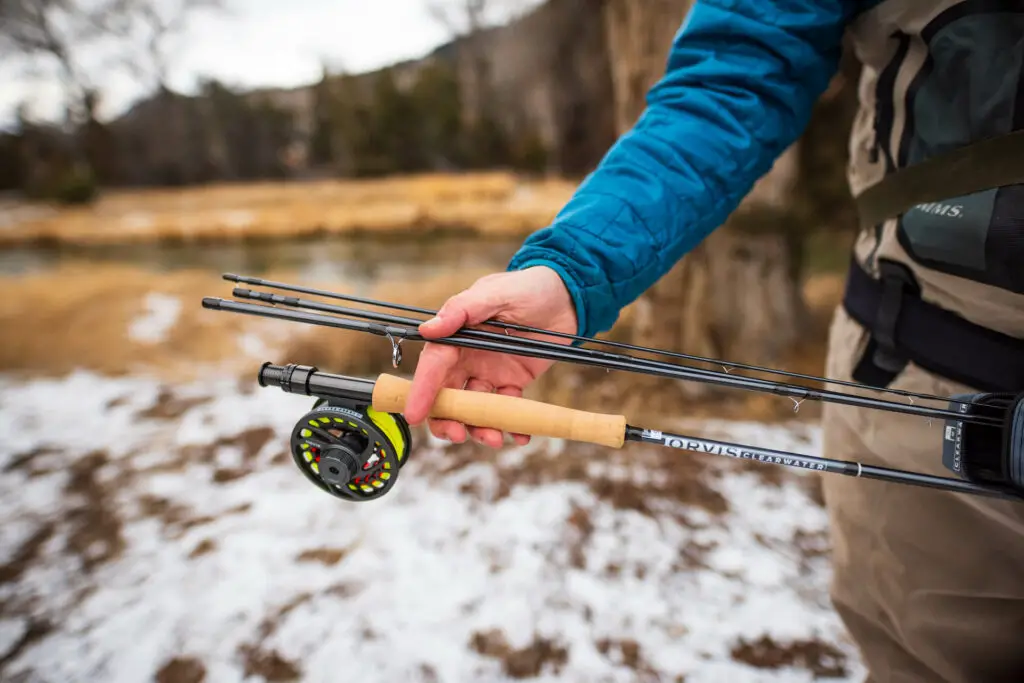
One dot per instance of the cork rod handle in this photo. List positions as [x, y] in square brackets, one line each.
[506, 413]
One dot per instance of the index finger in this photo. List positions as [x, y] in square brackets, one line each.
[435, 363]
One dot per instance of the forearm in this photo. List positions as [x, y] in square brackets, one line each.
[741, 80]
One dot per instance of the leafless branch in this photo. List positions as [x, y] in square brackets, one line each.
[59, 32]
[152, 24]
[462, 18]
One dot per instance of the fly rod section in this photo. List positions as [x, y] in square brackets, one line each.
[725, 365]
[355, 440]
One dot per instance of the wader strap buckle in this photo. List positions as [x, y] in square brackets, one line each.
[884, 358]
[896, 281]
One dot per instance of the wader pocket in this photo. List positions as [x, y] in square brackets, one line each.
[978, 236]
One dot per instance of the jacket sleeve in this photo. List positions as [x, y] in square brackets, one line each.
[741, 80]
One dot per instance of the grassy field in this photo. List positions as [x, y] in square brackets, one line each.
[122, 316]
[125, 320]
[480, 205]
[121, 319]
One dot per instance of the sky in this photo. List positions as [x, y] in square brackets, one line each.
[256, 43]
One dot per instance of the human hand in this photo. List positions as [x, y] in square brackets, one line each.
[533, 297]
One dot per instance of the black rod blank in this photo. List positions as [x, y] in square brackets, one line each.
[259, 282]
[562, 353]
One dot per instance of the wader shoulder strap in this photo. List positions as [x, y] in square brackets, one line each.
[980, 166]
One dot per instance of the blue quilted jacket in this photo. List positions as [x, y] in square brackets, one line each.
[742, 77]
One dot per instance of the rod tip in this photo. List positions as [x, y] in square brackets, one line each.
[231, 277]
[211, 302]
[241, 293]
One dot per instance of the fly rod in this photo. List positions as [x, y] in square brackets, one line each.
[301, 289]
[396, 332]
[355, 440]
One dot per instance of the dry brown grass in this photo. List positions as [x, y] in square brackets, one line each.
[484, 205]
[79, 317]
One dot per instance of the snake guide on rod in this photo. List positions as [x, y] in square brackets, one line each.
[355, 440]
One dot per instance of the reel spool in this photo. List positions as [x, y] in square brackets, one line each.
[982, 454]
[351, 452]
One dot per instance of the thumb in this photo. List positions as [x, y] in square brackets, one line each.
[470, 307]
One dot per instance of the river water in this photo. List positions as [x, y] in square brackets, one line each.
[355, 261]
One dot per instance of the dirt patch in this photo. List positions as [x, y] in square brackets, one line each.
[813, 547]
[428, 674]
[204, 547]
[271, 622]
[527, 662]
[821, 659]
[163, 508]
[169, 406]
[167, 511]
[812, 544]
[628, 653]
[250, 442]
[581, 529]
[177, 518]
[181, 670]
[346, 589]
[28, 462]
[95, 527]
[36, 631]
[326, 556]
[653, 477]
[269, 665]
[224, 475]
[26, 554]
[693, 556]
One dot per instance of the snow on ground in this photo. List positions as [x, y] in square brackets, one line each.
[153, 326]
[160, 533]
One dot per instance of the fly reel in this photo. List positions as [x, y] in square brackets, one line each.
[351, 451]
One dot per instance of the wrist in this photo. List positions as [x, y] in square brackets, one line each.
[572, 289]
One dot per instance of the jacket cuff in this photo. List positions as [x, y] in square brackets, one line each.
[528, 258]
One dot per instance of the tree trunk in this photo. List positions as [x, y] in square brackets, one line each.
[639, 35]
[737, 296]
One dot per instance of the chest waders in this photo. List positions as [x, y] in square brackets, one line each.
[905, 327]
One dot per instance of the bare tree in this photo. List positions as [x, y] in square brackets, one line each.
[71, 34]
[462, 18]
[466, 21]
[55, 33]
[147, 26]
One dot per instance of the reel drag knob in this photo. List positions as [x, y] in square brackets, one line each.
[338, 465]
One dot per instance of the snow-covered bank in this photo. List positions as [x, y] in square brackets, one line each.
[160, 533]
